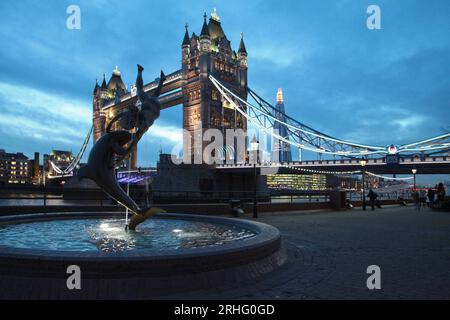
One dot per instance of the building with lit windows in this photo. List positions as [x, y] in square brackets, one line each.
[297, 181]
[14, 168]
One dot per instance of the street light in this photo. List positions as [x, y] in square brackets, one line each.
[254, 144]
[414, 171]
[363, 163]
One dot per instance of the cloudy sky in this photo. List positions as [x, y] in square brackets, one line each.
[370, 86]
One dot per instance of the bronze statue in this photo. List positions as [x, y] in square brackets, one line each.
[115, 146]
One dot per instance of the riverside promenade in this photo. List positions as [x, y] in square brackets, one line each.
[329, 252]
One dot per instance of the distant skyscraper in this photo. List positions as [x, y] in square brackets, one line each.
[281, 150]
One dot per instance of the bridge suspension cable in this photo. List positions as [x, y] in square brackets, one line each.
[75, 161]
[349, 173]
[299, 135]
[264, 116]
[389, 178]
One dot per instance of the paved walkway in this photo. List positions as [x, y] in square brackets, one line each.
[329, 253]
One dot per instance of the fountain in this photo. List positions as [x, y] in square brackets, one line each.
[169, 253]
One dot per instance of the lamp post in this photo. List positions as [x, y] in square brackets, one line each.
[254, 148]
[414, 171]
[363, 163]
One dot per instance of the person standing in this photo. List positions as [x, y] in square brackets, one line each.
[440, 191]
[423, 198]
[430, 196]
[416, 197]
[372, 197]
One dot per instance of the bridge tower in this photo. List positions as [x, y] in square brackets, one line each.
[103, 95]
[203, 107]
[98, 116]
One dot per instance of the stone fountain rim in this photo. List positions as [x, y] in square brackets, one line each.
[266, 236]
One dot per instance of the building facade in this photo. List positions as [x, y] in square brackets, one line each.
[35, 169]
[297, 181]
[14, 168]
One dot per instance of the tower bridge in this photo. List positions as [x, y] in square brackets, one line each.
[213, 88]
[209, 53]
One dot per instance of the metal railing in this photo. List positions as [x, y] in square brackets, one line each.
[393, 195]
[51, 197]
[49, 200]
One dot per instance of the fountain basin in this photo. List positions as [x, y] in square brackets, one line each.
[249, 249]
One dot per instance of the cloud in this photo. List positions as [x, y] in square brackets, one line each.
[168, 133]
[42, 117]
[34, 101]
[281, 56]
[412, 121]
[15, 126]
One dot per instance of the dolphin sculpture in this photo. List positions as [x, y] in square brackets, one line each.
[151, 106]
[114, 146]
[100, 168]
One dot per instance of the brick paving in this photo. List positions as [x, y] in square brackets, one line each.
[329, 253]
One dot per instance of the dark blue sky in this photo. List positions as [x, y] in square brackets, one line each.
[370, 86]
